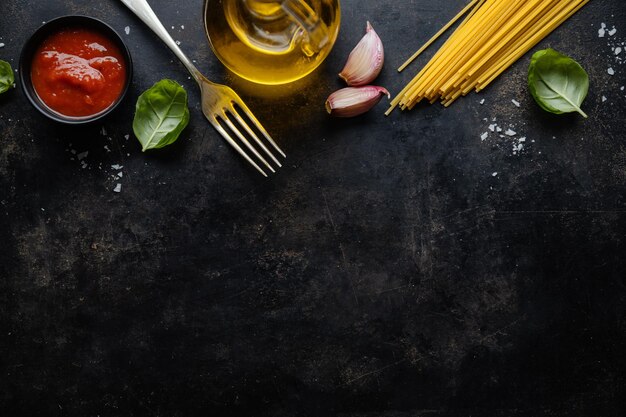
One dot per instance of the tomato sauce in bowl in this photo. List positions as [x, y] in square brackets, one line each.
[78, 72]
[75, 69]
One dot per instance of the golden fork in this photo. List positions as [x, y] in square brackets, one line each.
[220, 104]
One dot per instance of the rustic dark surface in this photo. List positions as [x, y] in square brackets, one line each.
[386, 270]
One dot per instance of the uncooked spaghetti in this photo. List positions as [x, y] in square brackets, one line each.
[493, 35]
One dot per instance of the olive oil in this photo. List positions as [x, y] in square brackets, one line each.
[270, 41]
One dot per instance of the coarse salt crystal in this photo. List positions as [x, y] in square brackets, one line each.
[1, 45]
[523, 139]
[82, 155]
[611, 71]
[604, 99]
[116, 167]
[492, 128]
[484, 136]
[515, 102]
[177, 42]
[495, 174]
[618, 50]
[612, 31]
[602, 30]
[182, 27]
[510, 132]
[118, 188]
[127, 30]
[482, 102]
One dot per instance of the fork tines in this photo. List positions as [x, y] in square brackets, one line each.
[233, 121]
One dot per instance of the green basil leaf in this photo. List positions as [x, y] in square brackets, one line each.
[557, 82]
[161, 114]
[7, 78]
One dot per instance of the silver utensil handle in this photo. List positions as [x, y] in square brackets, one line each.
[143, 10]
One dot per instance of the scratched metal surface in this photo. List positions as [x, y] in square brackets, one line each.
[396, 266]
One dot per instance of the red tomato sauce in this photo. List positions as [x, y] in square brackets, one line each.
[78, 72]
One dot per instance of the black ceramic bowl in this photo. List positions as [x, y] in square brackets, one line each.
[51, 27]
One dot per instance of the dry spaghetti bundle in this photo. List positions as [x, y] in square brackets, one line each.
[493, 35]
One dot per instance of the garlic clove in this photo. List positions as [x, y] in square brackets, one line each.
[352, 101]
[365, 61]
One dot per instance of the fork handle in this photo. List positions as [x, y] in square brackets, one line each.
[143, 10]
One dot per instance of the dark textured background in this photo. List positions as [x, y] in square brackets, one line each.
[384, 271]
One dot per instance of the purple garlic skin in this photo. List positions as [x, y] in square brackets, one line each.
[353, 101]
[365, 61]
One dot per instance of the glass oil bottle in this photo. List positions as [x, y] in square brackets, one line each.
[272, 41]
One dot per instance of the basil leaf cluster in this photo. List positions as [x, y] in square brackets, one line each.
[7, 78]
[161, 114]
[557, 82]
